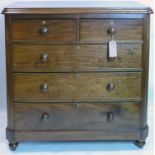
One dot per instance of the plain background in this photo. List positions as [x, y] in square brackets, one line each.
[70, 148]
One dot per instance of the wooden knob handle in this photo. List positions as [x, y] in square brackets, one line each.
[45, 116]
[44, 30]
[44, 87]
[110, 116]
[110, 87]
[111, 31]
[44, 57]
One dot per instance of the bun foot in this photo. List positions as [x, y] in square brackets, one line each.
[13, 146]
[139, 144]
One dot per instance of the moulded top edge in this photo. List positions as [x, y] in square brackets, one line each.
[65, 7]
[74, 10]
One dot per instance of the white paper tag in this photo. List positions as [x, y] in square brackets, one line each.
[112, 49]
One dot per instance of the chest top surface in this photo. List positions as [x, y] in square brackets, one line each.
[76, 7]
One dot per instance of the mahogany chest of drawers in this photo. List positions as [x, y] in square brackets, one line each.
[62, 83]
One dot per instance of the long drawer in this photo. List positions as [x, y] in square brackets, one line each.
[44, 30]
[76, 86]
[70, 57]
[76, 116]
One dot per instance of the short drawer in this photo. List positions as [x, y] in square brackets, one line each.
[76, 116]
[97, 29]
[44, 30]
[70, 57]
[76, 86]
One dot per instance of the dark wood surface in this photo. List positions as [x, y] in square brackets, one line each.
[90, 29]
[100, 135]
[75, 10]
[70, 57]
[77, 72]
[76, 116]
[74, 86]
[80, 16]
[9, 65]
[58, 30]
[145, 59]
[76, 7]
[113, 134]
[96, 29]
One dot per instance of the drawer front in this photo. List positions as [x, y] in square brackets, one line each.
[79, 116]
[44, 30]
[76, 86]
[97, 29]
[83, 57]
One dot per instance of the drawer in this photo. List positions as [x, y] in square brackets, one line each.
[70, 57]
[76, 86]
[97, 29]
[44, 30]
[76, 116]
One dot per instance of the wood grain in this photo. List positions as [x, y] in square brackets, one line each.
[96, 29]
[9, 66]
[110, 134]
[90, 16]
[29, 11]
[71, 57]
[74, 86]
[58, 30]
[67, 116]
[82, 135]
[145, 64]
[77, 73]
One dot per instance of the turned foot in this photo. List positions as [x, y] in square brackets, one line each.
[13, 146]
[139, 143]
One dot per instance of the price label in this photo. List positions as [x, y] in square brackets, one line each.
[112, 49]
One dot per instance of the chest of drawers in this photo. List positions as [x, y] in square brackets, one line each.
[62, 85]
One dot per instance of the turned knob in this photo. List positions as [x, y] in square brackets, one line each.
[44, 87]
[110, 116]
[110, 87]
[44, 57]
[111, 31]
[45, 116]
[44, 29]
